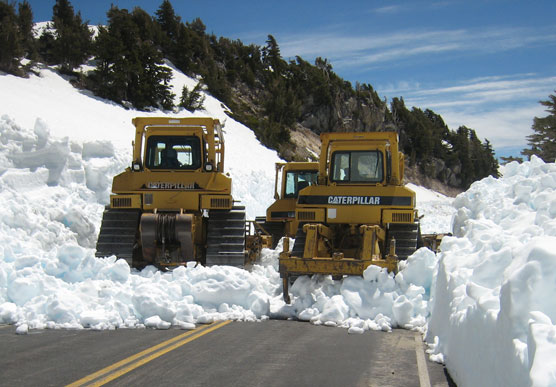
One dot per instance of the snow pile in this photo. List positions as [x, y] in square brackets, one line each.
[69, 288]
[377, 301]
[493, 301]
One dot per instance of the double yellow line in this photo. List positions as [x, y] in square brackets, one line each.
[122, 367]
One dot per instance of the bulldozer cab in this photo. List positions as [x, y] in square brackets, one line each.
[294, 180]
[173, 152]
[357, 166]
[185, 144]
[360, 159]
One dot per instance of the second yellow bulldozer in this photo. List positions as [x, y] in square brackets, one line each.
[358, 214]
[280, 218]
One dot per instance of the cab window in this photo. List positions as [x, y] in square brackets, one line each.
[357, 167]
[297, 180]
[173, 152]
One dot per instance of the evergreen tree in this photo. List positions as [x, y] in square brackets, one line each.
[167, 19]
[129, 65]
[25, 23]
[272, 58]
[197, 26]
[543, 141]
[72, 43]
[192, 100]
[11, 49]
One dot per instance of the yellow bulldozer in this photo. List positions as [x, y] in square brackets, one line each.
[358, 214]
[174, 203]
[280, 218]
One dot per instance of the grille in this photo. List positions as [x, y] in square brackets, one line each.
[219, 203]
[306, 215]
[401, 217]
[121, 202]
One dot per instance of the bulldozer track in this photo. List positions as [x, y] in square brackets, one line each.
[226, 237]
[406, 236]
[118, 234]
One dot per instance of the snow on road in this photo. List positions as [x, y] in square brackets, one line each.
[484, 303]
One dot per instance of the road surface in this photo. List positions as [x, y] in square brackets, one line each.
[266, 353]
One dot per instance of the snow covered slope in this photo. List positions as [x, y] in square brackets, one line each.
[484, 302]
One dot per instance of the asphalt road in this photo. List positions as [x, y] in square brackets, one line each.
[267, 353]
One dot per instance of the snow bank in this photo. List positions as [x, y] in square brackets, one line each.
[493, 309]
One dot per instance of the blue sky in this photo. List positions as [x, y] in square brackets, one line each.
[484, 64]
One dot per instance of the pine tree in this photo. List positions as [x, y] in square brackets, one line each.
[192, 100]
[72, 44]
[272, 57]
[129, 65]
[167, 19]
[197, 26]
[25, 23]
[543, 141]
[11, 49]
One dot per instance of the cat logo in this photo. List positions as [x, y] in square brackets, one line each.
[168, 185]
[354, 200]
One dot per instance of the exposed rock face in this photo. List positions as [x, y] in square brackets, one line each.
[351, 114]
[307, 144]
[415, 176]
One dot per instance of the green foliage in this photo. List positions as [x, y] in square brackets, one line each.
[192, 100]
[72, 42]
[129, 65]
[272, 59]
[25, 24]
[167, 20]
[543, 141]
[507, 160]
[11, 47]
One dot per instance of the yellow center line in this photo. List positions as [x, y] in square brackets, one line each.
[163, 348]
